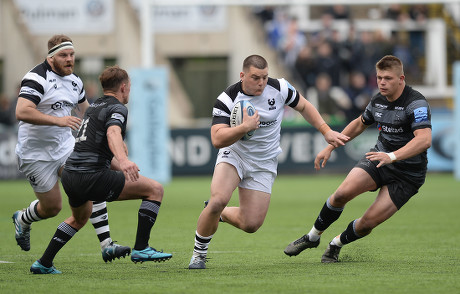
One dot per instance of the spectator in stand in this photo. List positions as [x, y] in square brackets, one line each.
[331, 101]
[359, 93]
[328, 62]
[292, 42]
[418, 12]
[396, 12]
[339, 12]
[276, 28]
[305, 66]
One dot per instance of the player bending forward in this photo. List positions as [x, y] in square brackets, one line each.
[397, 164]
[249, 165]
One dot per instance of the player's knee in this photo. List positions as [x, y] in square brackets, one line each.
[50, 210]
[216, 205]
[339, 199]
[156, 191]
[251, 227]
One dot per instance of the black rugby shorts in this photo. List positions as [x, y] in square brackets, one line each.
[105, 185]
[401, 186]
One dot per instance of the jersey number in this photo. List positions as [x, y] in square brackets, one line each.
[82, 131]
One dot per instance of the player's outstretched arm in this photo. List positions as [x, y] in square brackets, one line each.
[311, 114]
[352, 130]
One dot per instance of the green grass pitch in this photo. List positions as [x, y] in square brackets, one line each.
[416, 251]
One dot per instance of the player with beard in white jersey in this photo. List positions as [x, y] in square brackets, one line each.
[250, 165]
[49, 92]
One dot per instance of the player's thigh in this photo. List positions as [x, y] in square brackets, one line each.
[224, 181]
[253, 204]
[381, 210]
[143, 188]
[357, 182]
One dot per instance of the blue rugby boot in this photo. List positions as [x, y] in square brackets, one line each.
[149, 254]
[38, 268]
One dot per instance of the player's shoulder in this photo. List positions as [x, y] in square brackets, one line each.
[413, 94]
[41, 69]
[233, 90]
[116, 106]
[275, 83]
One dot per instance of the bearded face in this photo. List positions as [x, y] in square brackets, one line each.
[63, 62]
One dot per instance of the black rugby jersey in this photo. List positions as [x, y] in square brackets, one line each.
[397, 121]
[91, 152]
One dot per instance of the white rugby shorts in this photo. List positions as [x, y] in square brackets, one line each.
[258, 176]
[42, 175]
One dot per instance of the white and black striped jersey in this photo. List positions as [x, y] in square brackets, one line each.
[54, 95]
[265, 143]
[397, 122]
[92, 152]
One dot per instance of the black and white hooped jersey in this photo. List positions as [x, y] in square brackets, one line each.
[54, 95]
[265, 143]
[397, 122]
[91, 152]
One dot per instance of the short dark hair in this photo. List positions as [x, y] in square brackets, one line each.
[57, 39]
[390, 62]
[256, 61]
[112, 77]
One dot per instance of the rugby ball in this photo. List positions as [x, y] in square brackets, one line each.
[236, 116]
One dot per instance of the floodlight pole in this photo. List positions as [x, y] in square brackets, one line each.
[147, 30]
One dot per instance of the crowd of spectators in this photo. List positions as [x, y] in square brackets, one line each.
[335, 69]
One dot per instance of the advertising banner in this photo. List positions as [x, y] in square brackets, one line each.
[47, 17]
[148, 130]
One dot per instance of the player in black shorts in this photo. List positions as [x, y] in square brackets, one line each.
[99, 170]
[396, 165]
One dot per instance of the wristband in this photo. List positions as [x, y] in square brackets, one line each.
[392, 156]
[324, 128]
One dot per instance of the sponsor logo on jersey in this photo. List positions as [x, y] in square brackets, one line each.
[271, 104]
[399, 108]
[97, 104]
[267, 123]
[421, 114]
[392, 130]
[74, 86]
[381, 106]
[378, 114]
[118, 116]
[60, 104]
[217, 112]
[28, 91]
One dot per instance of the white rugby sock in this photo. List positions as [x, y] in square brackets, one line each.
[336, 241]
[314, 234]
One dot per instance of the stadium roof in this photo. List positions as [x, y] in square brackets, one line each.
[290, 2]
